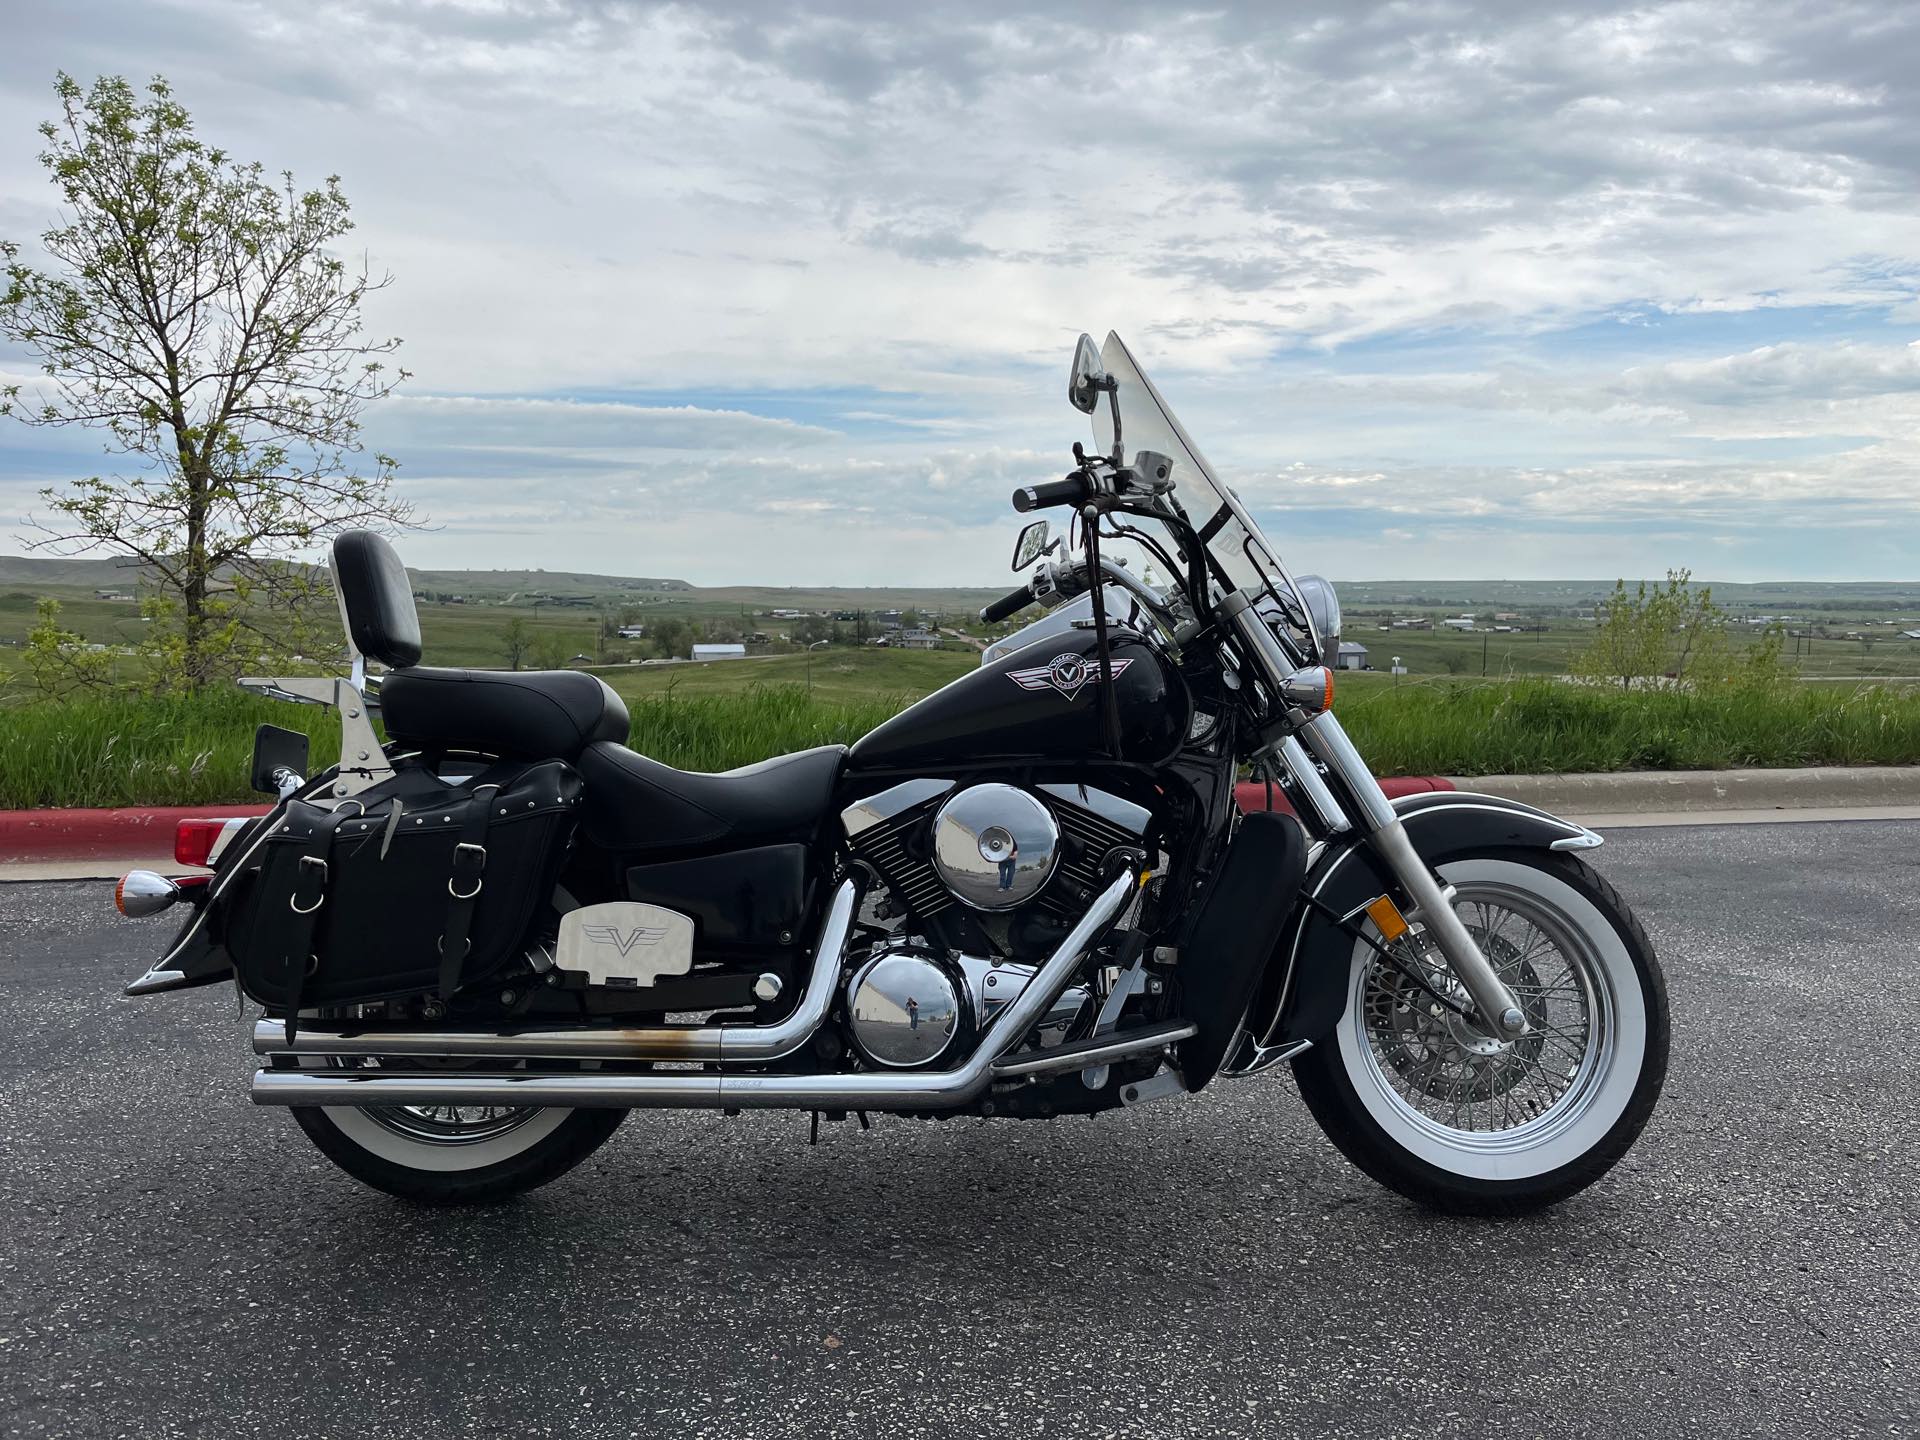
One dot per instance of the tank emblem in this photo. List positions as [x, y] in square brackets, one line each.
[1066, 674]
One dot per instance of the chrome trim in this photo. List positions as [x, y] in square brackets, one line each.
[1327, 739]
[141, 893]
[1585, 840]
[655, 1042]
[1087, 1057]
[879, 808]
[1264, 1058]
[155, 981]
[917, 1090]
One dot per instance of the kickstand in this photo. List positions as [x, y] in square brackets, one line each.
[815, 1139]
[865, 1124]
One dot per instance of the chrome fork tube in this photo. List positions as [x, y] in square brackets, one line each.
[1307, 776]
[1328, 740]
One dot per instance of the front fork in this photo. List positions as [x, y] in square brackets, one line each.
[1323, 738]
[1376, 819]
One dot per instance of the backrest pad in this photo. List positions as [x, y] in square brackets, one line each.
[378, 599]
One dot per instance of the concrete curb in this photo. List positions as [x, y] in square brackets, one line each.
[1634, 792]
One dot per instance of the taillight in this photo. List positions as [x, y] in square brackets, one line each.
[197, 842]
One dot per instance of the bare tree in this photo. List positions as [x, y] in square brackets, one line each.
[519, 636]
[194, 313]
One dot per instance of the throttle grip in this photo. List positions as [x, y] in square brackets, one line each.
[1070, 491]
[1007, 605]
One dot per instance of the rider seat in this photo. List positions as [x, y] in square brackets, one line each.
[636, 804]
[632, 803]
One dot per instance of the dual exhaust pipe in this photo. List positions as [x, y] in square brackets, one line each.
[908, 1090]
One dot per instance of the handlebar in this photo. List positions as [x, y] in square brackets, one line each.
[1007, 604]
[1070, 491]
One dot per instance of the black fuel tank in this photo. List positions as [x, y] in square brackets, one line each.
[1041, 703]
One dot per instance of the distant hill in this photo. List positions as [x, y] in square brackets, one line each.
[564, 587]
[17, 571]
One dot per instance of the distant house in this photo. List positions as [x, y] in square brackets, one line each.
[1461, 622]
[1353, 655]
[1910, 634]
[719, 652]
[917, 640]
[633, 632]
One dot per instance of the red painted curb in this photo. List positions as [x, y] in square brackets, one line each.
[144, 833]
[101, 834]
[1252, 794]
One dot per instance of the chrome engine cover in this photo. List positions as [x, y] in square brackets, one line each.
[995, 846]
[906, 1006]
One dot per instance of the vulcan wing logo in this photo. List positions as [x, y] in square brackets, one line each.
[624, 940]
[1066, 674]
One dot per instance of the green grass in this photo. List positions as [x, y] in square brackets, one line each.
[1543, 726]
[113, 750]
[117, 751]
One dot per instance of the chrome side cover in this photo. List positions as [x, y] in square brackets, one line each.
[625, 943]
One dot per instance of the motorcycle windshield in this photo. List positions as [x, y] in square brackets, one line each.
[1238, 552]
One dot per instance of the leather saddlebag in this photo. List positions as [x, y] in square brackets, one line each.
[413, 885]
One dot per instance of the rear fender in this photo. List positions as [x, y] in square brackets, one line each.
[1305, 989]
[196, 956]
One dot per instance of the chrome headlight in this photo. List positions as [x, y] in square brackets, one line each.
[1317, 593]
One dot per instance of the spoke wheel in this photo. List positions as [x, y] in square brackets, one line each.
[1452, 1078]
[1444, 1111]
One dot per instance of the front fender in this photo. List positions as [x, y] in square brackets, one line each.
[1305, 988]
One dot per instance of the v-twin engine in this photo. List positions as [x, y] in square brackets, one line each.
[909, 1004]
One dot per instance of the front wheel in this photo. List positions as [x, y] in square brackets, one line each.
[1435, 1107]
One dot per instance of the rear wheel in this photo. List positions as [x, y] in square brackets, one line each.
[1440, 1110]
[456, 1154]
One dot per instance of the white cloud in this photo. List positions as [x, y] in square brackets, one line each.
[1374, 240]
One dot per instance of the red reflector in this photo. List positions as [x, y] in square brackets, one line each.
[193, 841]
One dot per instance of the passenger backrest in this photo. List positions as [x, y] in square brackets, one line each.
[377, 599]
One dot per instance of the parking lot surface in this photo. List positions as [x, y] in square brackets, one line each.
[174, 1262]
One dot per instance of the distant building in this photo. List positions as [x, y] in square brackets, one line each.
[1353, 655]
[719, 652]
[917, 640]
[1460, 622]
[1910, 634]
[633, 632]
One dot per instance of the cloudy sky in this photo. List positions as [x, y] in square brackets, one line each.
[785, 294]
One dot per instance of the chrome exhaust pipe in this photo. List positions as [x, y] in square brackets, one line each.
[912, 1090]
[747, 1043]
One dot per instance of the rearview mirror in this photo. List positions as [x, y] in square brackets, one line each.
[1089, 377]
[1031, 544]
[277, 755]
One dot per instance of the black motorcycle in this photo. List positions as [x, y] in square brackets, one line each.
[1032, 894]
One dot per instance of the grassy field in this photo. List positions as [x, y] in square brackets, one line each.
[110, 751]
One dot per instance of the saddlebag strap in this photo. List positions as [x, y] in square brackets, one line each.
[464, 885]
[309, 895]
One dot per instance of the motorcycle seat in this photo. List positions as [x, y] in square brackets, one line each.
[517, 714]
[634, 804]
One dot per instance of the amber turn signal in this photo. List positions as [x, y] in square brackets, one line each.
[141, 892]
[1310, 689]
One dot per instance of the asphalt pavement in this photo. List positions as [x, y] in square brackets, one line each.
[175, 1262]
